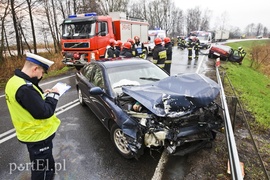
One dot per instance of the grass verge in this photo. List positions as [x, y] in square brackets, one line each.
[253, 87]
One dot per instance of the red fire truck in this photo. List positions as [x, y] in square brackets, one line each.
[86, 36]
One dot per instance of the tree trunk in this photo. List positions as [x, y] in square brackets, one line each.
[18, 42]
[32, 26]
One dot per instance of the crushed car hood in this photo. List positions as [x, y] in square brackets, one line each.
[176, 95]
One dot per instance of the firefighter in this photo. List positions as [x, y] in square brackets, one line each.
[182, 43]
[110, 52]
[168, 47]
[118, 48]
[196, 42]
[133, 49]
[139, 47]
[189, 45]
[159, 53]
[32, 114]
[242, 54]
[126, 51]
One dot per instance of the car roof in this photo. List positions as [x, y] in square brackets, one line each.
[111, 63]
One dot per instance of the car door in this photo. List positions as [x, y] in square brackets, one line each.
[101, 104]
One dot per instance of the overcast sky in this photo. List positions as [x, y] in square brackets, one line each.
[240, 12]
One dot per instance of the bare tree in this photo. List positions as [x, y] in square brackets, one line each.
[5, 6]
[193, 19]
[106, 6]
[265, 32]
[249, 30]
[50, 16]
[205, 20]
[15, 25]
[259, 29]
[29, 5]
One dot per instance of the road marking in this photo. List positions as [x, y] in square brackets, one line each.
[200, 64]
[42, 84]
[8, 132]
[60, 110]
[161, 166]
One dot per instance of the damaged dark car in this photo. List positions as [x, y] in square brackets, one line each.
[178, 113]
[226, 53]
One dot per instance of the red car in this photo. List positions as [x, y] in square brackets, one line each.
[226, 53]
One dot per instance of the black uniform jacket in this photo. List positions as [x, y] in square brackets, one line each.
[126, 53]
[30, 99]
[168, 48]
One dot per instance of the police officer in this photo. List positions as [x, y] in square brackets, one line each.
[168, 47]
[126, 51]
[139, 47]
[32, 114]
[159, 53]
[196, 42]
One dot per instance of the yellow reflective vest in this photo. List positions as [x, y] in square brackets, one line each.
[28, 129]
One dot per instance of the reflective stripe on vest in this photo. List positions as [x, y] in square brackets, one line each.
[162, 54]
[154, 61]
[28, 129]
[161, 65]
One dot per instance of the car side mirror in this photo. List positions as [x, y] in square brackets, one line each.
[96, 91]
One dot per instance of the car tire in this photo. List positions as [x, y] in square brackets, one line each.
[120, 142]
[210, 55]
[80, 96]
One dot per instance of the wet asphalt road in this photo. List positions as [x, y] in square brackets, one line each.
[82, 146]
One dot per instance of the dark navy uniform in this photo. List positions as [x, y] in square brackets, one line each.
[159, 55]
[31, 100]
[168, 47]
[189, 47]
[196, 47]
[126, 53]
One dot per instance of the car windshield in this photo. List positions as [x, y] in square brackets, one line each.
[139, 74]
[203, 38]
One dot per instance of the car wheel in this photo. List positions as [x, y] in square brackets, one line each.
[120, 142]
[80, 96]
[210, 55]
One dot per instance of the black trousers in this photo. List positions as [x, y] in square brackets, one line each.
[42, 161]
[167, 67]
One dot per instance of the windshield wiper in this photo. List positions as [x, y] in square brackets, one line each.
[151, 79]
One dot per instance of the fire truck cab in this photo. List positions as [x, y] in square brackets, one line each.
[85, 37]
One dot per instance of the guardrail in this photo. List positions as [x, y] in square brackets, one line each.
[235, 167]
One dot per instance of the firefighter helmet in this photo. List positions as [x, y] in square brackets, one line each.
[127, 45]
[158, 41]
[136, 38]
[167, 40]
[118, 43]
[112, 42]
[131, 41]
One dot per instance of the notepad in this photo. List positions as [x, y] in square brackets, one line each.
[62, 87]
